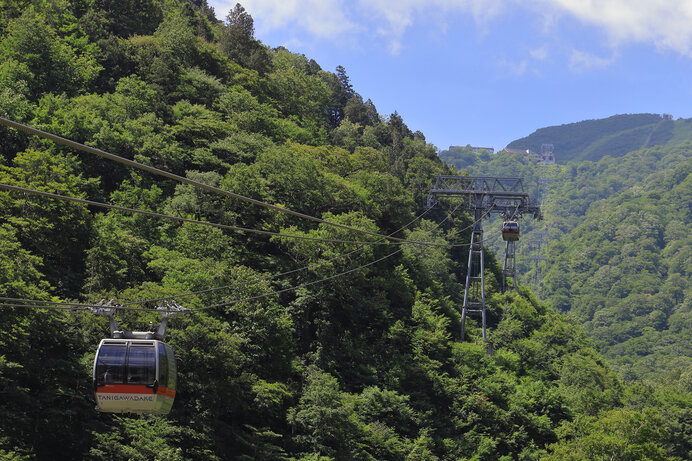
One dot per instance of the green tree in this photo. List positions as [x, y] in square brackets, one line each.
[618, 434]
[238, 42]
[54, 63]
[324, 419]
[54, 230]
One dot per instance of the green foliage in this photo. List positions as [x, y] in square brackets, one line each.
[626, 261]
[53, 230]
[21, 276]
[129, 17]
[198, 87]
[463, 157]
[311, 364]
[618, 434]
[324, 419]
[237, 41]
[53, 62]
[618, 252]
[139, 439]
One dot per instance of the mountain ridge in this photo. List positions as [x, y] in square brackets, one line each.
[615, 136]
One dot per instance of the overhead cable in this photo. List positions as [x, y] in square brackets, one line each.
[310, 266]
[63, 303]
[67, 198]
[37, 305]
[293, 288]
[274, 276]
[195, 221]
[181, 179]
[74, 306]
[314, 282]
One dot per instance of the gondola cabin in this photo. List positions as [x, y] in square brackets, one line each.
[510, 231]
[134, 376]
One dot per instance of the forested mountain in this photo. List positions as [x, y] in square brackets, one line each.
[618, 252]
[614, 136]
[311, 349]
[624, 266]
[618, 255]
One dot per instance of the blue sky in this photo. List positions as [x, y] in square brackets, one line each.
[486, 72]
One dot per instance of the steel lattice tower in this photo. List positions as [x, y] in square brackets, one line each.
[509, 268]
[536, 245]
[483, 195]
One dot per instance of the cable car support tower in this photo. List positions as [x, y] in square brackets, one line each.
[485, 195]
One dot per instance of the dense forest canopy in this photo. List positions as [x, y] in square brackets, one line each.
[311, 364]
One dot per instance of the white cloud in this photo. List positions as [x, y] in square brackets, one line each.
[399, 15]
[665, 23]
[321, 18]
[581, 61]
[515, 68]
[539, 54]
[331, 19]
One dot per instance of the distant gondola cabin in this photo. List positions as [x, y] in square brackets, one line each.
[510, 231]
[134, 376]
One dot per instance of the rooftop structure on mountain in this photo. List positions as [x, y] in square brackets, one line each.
[545, 157]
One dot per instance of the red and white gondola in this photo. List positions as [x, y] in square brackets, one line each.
[510, 231]
[134, 376]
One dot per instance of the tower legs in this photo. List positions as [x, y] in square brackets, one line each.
[474, 295]
[509, 268]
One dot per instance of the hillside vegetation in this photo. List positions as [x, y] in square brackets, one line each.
[322, 349]
[624, 254]
[619, 253]
[614, 136]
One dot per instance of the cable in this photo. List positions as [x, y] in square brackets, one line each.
[41, 304]
[181, 179]
[314, 282]
[74, 306]
[270, 277]
[46, 302]
[179, 219]
[381, 241]
[184, 180]
[274, 276]
[34, 306]
[484, 215]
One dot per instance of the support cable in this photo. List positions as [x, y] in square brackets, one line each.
[274, 276]
[13, 302]
[483, 216]
[195, 221]
[36, 305]
[381, 241]
[310, 266]
[314, 282]
[63, 303]
[181, 179]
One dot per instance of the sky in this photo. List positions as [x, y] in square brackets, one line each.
[487, 72]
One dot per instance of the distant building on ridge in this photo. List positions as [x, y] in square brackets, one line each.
[545, 157]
